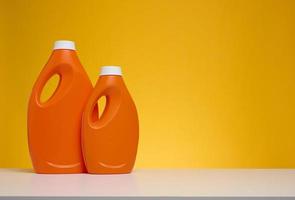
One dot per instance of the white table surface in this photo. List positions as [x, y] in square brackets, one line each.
[190, 182]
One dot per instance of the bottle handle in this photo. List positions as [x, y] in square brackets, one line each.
[65, 73]
[113, 100]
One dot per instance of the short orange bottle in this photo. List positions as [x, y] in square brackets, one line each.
[54, 126]
[109, 142]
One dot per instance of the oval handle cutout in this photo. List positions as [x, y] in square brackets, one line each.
[109, 101]
[99, 108]
[50, 88]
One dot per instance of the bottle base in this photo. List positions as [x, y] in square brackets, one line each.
[49, 168]
[109, 171]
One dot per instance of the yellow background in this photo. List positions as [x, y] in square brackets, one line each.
[213, 80]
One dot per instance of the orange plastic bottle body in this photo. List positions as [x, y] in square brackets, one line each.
[54, 127]
[110, 143]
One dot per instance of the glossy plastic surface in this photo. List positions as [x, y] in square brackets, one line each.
[54, 127]
[110, 143]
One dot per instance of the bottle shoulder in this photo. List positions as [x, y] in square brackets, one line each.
[63, 58]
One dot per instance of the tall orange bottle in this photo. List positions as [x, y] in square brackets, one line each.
[109, 143]
[54, 126]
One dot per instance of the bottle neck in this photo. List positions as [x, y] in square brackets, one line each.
[112, 76]
[111, 79]
[63, 54]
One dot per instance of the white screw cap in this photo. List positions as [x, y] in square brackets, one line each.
[64, 44]
[110, 70]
